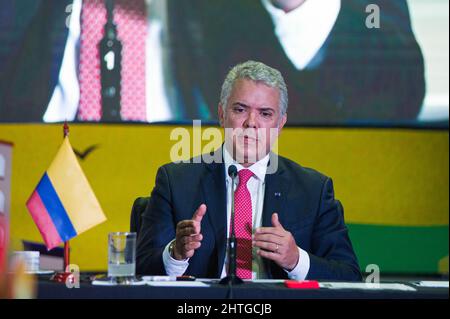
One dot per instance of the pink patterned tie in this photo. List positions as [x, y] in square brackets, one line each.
[243, 225]
[131, 20]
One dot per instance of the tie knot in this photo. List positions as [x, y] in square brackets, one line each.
[244, 176]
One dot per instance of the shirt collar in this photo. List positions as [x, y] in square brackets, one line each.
[308, 11]
[258, 169]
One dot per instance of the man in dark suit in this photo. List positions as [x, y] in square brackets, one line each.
[298, 229]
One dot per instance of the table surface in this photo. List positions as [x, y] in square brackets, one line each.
[249, 290]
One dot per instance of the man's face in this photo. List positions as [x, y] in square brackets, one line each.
[253, 113]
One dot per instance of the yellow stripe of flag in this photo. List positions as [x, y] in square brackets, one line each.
[74, 190]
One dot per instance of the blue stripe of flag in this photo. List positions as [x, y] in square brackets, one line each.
[55, 209]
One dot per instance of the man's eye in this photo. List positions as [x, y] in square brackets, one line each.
[266, 114]
[239, 109]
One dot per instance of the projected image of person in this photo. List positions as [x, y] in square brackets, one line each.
[339, 70]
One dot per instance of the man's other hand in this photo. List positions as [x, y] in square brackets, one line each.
[188, 237]
[277, 244]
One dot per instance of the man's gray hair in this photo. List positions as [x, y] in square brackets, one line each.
[258, 72]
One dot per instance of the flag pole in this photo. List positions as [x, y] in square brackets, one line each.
[65, 276]
[66, 243]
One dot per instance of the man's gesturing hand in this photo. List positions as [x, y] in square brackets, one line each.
[188, 237]
[277, 244]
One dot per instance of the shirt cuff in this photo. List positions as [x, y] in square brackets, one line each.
[174, 267]
[301, 270]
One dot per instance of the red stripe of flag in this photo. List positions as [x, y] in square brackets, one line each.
[43, 220]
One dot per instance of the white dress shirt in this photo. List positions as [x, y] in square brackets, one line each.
[256, 186]
[304, 30]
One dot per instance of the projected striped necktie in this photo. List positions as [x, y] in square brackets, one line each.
[131, 20]
[243, 225]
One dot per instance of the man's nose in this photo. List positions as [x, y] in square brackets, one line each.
[251, 120]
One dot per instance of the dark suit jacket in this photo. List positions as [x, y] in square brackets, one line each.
[359, 75]
[306, 208]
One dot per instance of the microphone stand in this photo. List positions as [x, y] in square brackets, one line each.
[232, 278]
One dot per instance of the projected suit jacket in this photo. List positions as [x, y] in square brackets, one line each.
[359, 75]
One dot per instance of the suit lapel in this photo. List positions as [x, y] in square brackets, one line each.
[276, 189]
[275, 197]
[214, 190]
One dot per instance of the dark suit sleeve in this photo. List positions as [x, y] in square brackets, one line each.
[157, 228]
[331, 255]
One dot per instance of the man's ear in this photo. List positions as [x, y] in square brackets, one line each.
[221, 115]
[283, 121]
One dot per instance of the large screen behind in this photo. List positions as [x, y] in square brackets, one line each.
[345, 62]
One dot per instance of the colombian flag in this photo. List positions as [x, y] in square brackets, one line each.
[63, 204]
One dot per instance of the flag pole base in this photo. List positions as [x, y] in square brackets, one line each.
[63, 277]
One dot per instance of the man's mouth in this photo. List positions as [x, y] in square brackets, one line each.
[248, 138]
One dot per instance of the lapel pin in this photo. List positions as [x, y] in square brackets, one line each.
[277, 194]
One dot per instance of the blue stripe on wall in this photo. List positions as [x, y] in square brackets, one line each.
[55, 209]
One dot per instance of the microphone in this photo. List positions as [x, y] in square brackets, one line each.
[232, 278]
[232, 171]
[110, 68]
